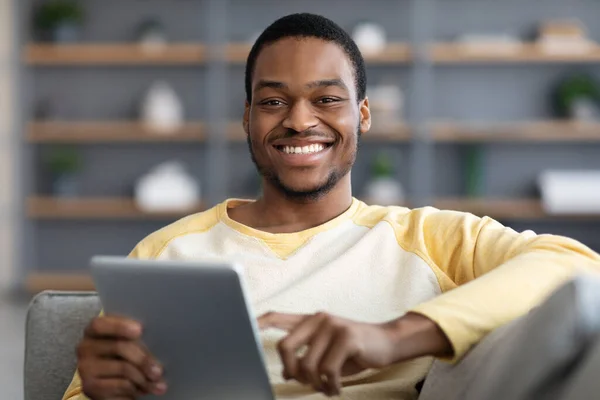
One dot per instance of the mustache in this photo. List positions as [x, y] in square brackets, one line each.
[310, 133]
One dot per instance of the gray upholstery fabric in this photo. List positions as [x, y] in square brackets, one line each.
[538, 356]
[55, 323]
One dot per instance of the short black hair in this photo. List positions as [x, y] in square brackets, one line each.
[305, 25]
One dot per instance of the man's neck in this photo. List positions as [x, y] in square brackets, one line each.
[276, 213]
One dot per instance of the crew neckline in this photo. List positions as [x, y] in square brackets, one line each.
[281, 237]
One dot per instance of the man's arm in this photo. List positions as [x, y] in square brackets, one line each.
[498, 274]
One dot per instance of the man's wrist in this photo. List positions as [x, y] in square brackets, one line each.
[414, 335]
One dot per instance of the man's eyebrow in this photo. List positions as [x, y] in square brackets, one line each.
[269, 84]
[327, 82]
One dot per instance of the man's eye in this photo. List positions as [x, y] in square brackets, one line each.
[327, 100]
[272, 103]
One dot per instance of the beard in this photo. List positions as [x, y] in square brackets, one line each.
[306, 195]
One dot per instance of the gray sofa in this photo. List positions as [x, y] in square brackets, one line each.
[553, 353]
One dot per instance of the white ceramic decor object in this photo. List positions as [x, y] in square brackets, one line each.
[162, 111]
[570, 192]
[385, 191]
[369, 37]
[167, 188]
[153, 42]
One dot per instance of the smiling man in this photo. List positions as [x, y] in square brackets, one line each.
[356, 299]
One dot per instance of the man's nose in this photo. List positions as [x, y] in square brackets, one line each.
[300, 117]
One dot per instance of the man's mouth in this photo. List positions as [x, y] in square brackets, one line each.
[306, 149]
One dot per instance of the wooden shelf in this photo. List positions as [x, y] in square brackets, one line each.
[39, 207]
[506, 209]
[541, 131]
[394, 53]
[37, 282]
[456, 53]
[396, 132]
[113, 54]
[89, 132]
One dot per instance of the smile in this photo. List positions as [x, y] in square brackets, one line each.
[309, 149]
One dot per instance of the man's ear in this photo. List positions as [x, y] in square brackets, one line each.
[365, 115]
[246, 120]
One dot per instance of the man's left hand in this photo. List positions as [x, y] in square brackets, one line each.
[336, 347]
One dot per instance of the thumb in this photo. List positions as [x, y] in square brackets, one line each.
[286, 322]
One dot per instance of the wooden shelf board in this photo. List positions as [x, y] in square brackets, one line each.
[37, 282]
[113, 54]
[118, 131]
[542, 131]
[396, 132]
[39, 207]
[508, 209]
[456, 53]
[394, 53]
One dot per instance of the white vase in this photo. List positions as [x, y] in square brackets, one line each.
[162, 110]
[369, 37]
[385, 191]
[167, 188]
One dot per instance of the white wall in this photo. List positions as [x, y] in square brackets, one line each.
[7, 110]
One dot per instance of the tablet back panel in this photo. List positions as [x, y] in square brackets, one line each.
[196, 321]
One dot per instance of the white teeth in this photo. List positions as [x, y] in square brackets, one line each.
[313, 148]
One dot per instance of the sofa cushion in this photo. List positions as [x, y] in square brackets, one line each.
[533, 357]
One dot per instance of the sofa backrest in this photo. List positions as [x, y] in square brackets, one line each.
[55, 324]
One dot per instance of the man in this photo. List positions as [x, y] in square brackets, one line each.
[369, 291]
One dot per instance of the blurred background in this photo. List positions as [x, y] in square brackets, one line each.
[121, 116]
[118, 117]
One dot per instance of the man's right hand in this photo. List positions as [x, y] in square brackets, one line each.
[113, 364]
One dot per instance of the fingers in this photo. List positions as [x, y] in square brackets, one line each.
[113, 327]
[129, 351]
[298, 338]
[340, 350]
[285, 322]
[120, 369]
[109, 389]
[309, 365]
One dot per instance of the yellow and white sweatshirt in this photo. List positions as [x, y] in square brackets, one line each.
[373, 264]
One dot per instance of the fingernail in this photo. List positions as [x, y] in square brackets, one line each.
[155, 371]
[160, 388]
[134, 329]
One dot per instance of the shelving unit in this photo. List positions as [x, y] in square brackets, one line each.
[538, 131]
[507, 209]
[394, 53]
[204, 63]
[37, 282]
[39, 207]
[113, 54]
[457, 53]
[87, 132]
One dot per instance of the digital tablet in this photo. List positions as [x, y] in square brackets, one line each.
[196, 321]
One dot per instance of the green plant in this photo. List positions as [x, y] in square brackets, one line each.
[62, 161]
[53, 13]
[382, 166]
[574, 88]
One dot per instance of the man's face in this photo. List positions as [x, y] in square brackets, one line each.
[304, 120]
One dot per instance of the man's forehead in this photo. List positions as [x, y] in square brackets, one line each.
[302, 61]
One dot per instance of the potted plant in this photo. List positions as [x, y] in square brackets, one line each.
[383, 188]
[59, 21]
[64, 165]
[577, 97]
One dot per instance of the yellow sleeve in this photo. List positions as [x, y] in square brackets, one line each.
[489, 273]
